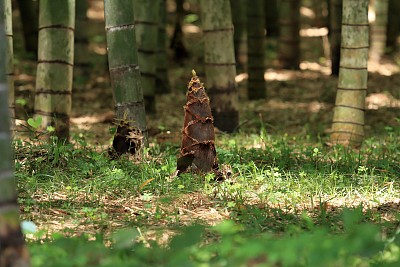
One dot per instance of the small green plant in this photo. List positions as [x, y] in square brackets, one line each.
[34, 128]
[20, 101]
[34, 123]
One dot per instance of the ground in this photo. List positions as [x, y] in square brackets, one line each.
[298, 107]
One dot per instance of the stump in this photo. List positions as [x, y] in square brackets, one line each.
[127, 139]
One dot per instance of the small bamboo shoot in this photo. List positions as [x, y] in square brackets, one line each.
[198, 147]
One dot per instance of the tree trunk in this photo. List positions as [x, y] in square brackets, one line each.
[238, 8]
[271, 17]
[81, 54]
[13, 252]
[55, 65]
[335, 34]
[123, 64]
[255, 45]
[9, 62]
[348, 116]
[378, 30]
[220, 63]
[29, 17]
[162, 83]
[393, 25]
[289, 39]
[146, 16]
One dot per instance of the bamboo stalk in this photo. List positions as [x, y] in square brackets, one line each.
[29, 18]
[81, 43]
[123, 64]
[255, 53]
[393, 25]
[349, 112]
[335, 34]
[162, 83]
[271, 17]
[378, 30]
[289, 38]
[146, 19]
[55, 65]
[220, 66]
[10, 62]
[177, 40]
[239, 20]
[12, 245]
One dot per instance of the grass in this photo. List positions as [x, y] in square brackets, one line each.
[265, 173]
[358, 246]
[281, 194]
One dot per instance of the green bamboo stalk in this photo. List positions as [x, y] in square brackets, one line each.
[220, 63]
[255, 45]
[123, 63]
[289, 39]
[349, 112]
[335, 34]
[239, 20]
[162, 83]
[10, 62]
[29, 18]
[55, 65]
[146, 20]
[81, 43]
[378, 30]
[12, 245]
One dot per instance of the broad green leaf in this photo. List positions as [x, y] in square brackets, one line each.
[34, 123]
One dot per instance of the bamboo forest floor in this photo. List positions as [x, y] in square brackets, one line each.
[289, 127]
[277, 166]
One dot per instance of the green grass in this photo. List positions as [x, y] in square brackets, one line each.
[276, 188]
[228, 244]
